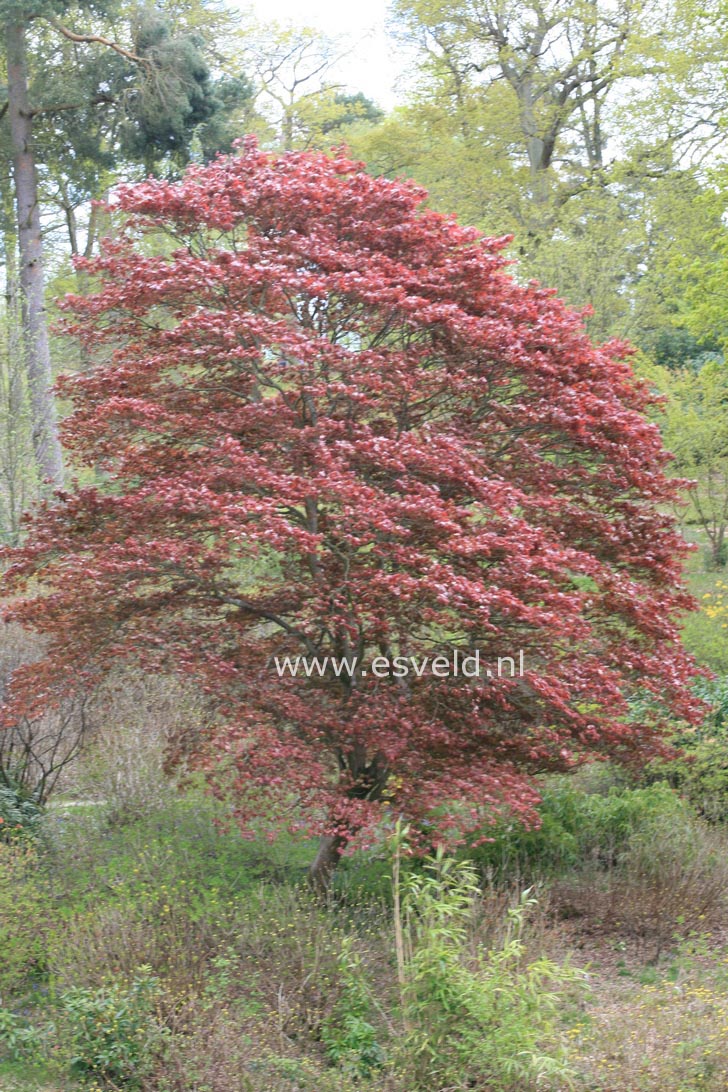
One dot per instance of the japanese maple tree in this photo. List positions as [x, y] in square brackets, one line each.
[328, 421]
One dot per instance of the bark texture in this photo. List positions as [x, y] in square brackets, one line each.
[36, 349]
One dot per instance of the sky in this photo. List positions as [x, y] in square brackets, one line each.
[371, 66]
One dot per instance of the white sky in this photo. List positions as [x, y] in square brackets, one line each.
[371, 66]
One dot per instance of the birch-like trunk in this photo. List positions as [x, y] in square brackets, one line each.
[36, 349]
[17, 470]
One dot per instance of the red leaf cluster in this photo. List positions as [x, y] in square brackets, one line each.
[329, 421]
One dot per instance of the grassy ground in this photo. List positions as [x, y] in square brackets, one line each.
[20, 1077]
[707, 638]
[250, 972]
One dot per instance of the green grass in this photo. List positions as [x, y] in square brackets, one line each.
[180, 844]
[20, 1077]
[707, 638]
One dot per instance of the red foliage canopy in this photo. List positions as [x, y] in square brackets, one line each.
[328, 421]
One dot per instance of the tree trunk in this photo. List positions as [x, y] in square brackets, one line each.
[46, 445]
[16, 460]
[717, 549]
[327, 858]
[368, 779]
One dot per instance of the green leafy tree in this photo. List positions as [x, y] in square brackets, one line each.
[557, 73]
[528, 118]
[301, 103]
[87, 88]
[695, 427]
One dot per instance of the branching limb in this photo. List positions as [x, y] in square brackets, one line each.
[98, 39]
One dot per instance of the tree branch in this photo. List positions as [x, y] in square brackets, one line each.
[98, 40]
[95, 101]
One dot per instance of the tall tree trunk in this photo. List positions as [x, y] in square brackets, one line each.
[717, 547]
[46, 445]
[16, 458]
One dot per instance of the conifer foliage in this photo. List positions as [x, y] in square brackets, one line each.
[330, 422]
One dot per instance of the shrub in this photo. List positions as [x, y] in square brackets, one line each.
[208, 1048]
[134, 720]
[19, 814]
[674, 875]
[702, 775]
[473, 1020]
[18, 1038]
[35, 751]
[350, 1038]
[578, 829]
[25, 916]
[111, 1031]
[289, 947]
[225, 1041]
[670, 878]
[114, 939]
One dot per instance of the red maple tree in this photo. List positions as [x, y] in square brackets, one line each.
[329, 422]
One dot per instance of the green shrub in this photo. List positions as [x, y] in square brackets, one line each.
[702, 774]
[487, 1019]
[25, 917]
[578, 829]
[19, 1040]
[111, 1032]
[350, 1038]
[19, 815]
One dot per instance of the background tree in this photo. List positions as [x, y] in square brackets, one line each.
[35, 750]
[700, 270]
[335, 426]
[529, 118]
[36, 350]
[558, 73]
[296, 94]
[695, 426]
[158, 89]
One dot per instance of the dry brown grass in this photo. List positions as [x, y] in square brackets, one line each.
[671, 881]
[667, 1033]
